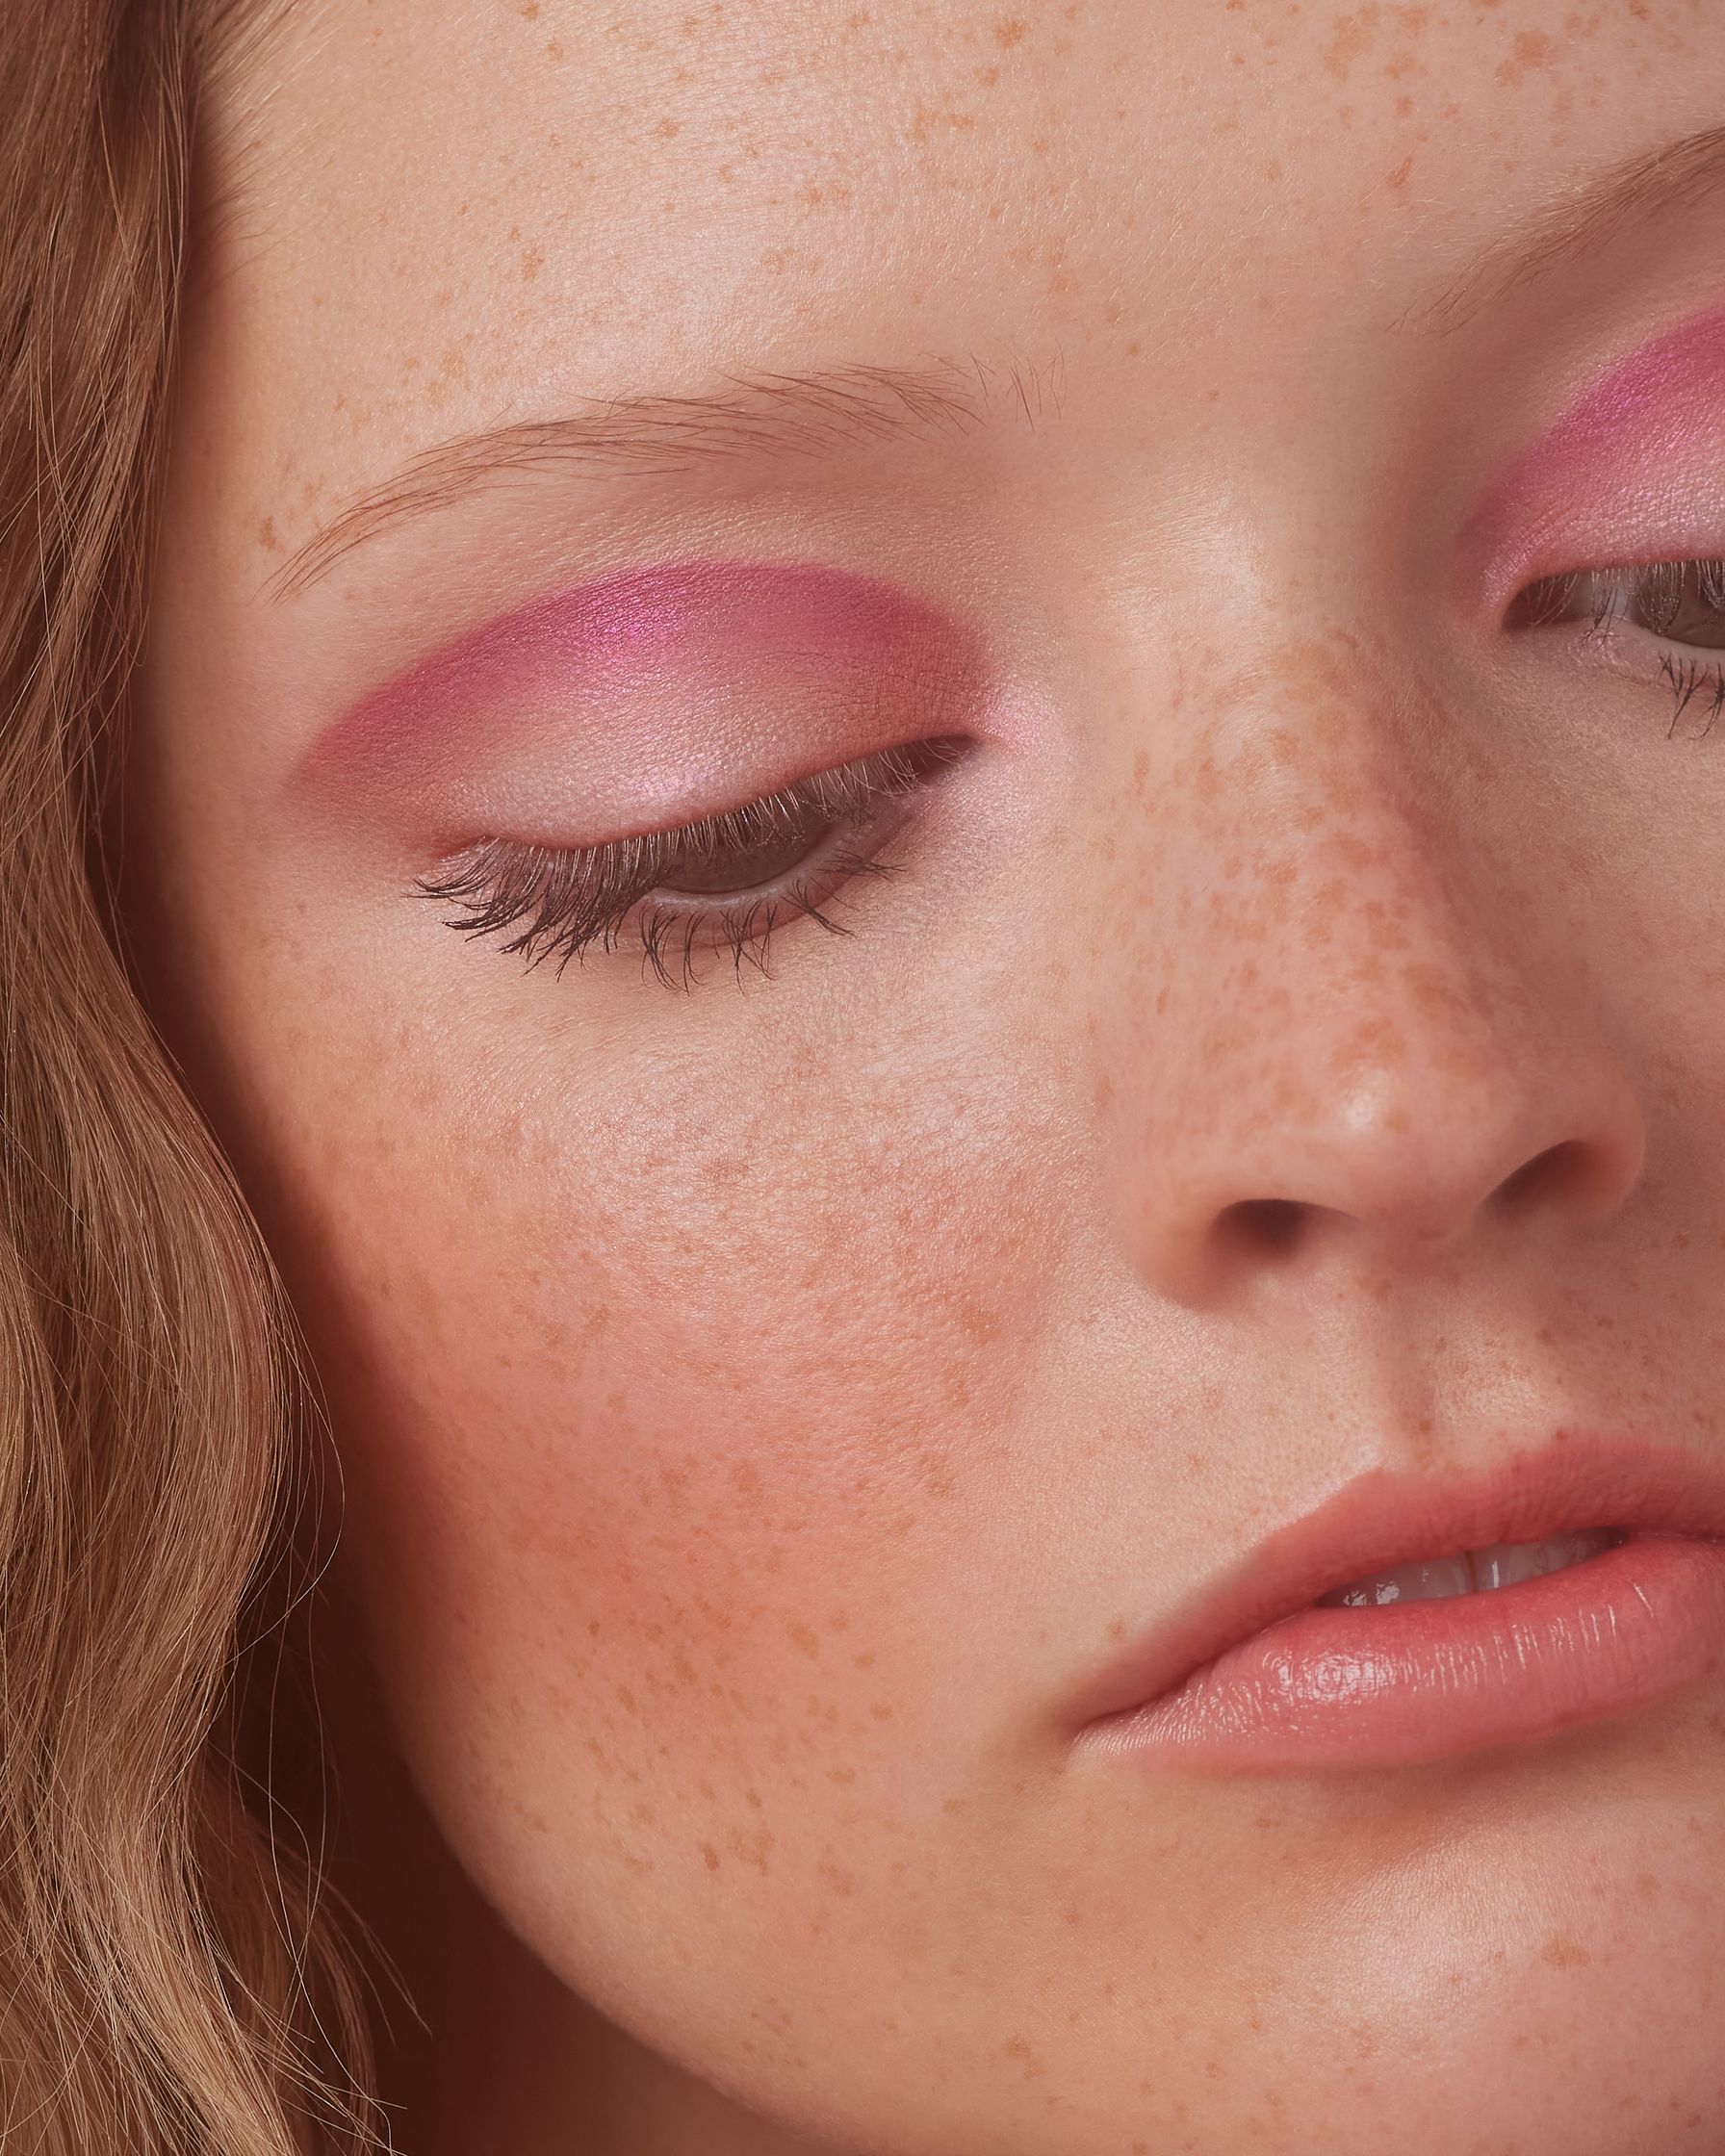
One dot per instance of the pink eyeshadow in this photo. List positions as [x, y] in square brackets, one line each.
[1645, 404]
[636, 627]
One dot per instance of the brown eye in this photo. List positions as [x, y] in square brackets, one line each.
[1683, 602]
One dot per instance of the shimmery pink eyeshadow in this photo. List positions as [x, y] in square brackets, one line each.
[1687, 361]
[1645, 406]
[635, 627]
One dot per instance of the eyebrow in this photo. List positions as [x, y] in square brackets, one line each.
[1577, 219]
[809, 413]
[786, 415]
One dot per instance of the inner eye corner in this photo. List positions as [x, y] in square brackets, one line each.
[1544, 601]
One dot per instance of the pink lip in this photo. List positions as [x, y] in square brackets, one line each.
[1251, 1678]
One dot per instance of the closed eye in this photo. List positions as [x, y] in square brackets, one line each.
[723, 880]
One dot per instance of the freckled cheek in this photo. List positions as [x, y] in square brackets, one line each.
[659, 1387]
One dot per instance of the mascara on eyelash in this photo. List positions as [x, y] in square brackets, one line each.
[1652, 596]
[576, 897]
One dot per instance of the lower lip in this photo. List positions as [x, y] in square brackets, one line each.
[1409, 1682]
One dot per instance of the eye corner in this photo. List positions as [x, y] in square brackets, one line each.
[1544, 601]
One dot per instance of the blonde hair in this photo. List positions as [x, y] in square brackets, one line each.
[170, 1976]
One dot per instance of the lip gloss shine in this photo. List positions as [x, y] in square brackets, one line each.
[1269, 1673]
[1418, 1680]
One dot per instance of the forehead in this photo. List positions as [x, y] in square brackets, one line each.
[443, 215]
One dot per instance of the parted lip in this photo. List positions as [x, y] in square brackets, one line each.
[1574, 1480]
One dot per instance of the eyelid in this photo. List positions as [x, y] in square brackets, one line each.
[578, 895]
[833, 790]
[646, 689]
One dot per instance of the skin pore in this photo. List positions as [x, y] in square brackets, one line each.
[1284, 1041]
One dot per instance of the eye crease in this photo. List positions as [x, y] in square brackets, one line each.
[725, 880]
[1680, 604]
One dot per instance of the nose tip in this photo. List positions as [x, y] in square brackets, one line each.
[1359, 1020]
[1401, 1182]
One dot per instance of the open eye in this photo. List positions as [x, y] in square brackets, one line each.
[1675, 610]
[1682, 601]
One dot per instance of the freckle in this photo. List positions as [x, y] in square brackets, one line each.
[668, 127]
[1011, 32]
[801, 1636]
[1397, 180]
[553, 52]
[988, 77]
[1353, 35]
[1532, 49]
[532, 262]
[711, 1855]
[266, 537]
[1563, 1953]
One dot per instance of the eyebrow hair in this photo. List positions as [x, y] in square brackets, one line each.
[1577, 219]
[805, 414]
[782, 414]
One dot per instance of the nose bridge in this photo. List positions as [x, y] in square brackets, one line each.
[1340, 1011]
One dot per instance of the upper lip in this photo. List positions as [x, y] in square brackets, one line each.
[1388, 1516]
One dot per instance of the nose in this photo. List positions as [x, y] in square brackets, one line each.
[1355, 1027]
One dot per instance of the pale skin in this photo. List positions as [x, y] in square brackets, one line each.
[759, 1408]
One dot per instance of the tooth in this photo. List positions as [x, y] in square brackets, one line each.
[1415, 1582]
[1504, 1563]
[1501, 1564]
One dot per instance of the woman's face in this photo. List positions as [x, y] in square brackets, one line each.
[1287, 1043]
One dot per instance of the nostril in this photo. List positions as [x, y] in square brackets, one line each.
[1271, 1223]
[1552, 1167]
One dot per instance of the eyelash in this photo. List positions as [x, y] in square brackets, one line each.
[574, 897]
[1661, 588]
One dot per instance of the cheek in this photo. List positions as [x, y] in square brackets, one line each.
[667, 1413]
